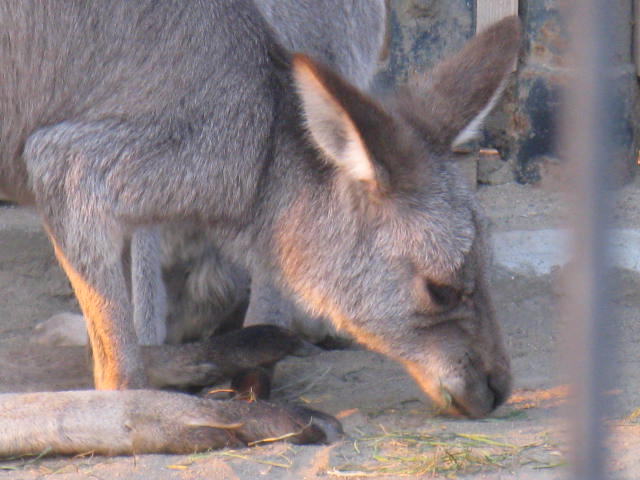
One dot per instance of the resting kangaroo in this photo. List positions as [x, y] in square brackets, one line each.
[122, 116]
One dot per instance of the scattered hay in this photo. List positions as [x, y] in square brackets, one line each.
[280, 457]
[439, 454]
[25, 460]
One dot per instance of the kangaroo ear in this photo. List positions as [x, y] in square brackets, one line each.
[332, 128]
[450, 104]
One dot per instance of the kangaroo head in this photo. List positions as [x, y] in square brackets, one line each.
[391, 245]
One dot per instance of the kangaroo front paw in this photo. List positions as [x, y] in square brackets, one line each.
[201, 364]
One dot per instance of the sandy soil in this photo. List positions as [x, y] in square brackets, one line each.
[391, 429]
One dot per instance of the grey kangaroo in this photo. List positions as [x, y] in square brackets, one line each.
[122, 116]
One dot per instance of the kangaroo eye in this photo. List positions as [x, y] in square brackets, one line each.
[444, 296]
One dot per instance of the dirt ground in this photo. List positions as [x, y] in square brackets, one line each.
[391, 431]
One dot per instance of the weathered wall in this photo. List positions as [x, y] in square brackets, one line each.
[524, 127]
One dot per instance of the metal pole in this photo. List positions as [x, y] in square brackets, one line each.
[588, 143]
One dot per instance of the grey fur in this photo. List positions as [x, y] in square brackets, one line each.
[148, 292]
[118, 116]
[206, 291]
[346, 34]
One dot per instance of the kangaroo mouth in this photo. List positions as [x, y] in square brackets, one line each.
[459, 406]
[471, 396]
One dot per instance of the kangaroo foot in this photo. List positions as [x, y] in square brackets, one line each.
[148, 421]
[265, 421]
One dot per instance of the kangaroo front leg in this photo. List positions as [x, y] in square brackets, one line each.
[101, 290]
[147, 288]
[70, 166]
[201, 364]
